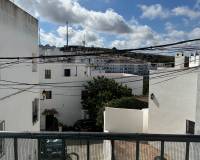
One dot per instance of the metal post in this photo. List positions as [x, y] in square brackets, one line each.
[113, 149]
[88, 150]
[15, 149]
[137, 150]
[162, 150]
[39, 149]
[67, 34]
[63, 149]
[187, 153]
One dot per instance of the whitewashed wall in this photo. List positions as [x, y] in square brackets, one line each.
[67, 100]
[174, 101]
[120, 120]
[18, 37]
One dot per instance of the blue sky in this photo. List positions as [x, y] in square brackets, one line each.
[116, 23]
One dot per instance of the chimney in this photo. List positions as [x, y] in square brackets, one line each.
[179, 61]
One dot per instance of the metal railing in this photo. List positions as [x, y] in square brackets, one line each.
[98, 146]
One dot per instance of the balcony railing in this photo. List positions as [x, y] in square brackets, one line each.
[98, 146]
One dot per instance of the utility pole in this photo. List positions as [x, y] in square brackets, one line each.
[67, 34]
[84, 40]
[39, 37]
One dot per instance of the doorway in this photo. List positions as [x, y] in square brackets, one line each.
[51, 123]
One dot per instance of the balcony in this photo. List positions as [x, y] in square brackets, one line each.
[98, 146]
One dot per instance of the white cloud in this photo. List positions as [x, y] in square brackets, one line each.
[197, 5]
[51, 39]
[141, 36]
[169, 26]
[158, 11]
[195, 33]
[76, 37]
[187, 12]
[153, 11]
[60, 11]
[147, 37]
[88, 24]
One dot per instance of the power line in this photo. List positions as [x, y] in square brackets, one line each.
[160, 46]
[57, 84]
[28, 89]
[166, 80]
[92, 54]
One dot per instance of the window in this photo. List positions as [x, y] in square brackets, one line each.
[2, 141]
[67, 72]
[35, 109]
[190, 127]
[48, 94]
[47, 74]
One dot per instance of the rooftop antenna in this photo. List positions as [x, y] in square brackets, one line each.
[67, 34]
[84, 41]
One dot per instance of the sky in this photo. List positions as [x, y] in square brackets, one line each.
[115, 23]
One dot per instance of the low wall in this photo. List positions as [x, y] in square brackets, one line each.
[125, 120]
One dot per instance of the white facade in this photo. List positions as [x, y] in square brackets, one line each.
[67, 98]
[119, 120]
[179, 61]
[173, 100]
[194, 60]
[18, 37]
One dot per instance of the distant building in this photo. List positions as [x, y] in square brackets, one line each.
[114, 64]
[64, 101]
[130, 68]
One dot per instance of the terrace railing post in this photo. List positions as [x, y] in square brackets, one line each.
[162, 150]
[113, 149]
[137, 150]
[39, 149]
[88, 150]
[63, 149]
[187, 152]
[15, 149]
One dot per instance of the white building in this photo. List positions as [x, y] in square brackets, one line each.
[194, 60]
[174, 99]
[19, 109]
[66, 97]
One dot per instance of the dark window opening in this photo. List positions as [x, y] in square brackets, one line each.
[190, 127]
[67, 72]
[47, 74]
[48, 94]
[35, 109]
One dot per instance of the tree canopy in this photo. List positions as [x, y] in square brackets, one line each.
[98, 92]
[127, 103]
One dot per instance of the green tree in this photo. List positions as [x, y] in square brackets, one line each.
[99, 91]
[127, 103]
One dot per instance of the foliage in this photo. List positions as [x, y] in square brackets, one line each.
[151, 57]
[99, 91]
[128, 103]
